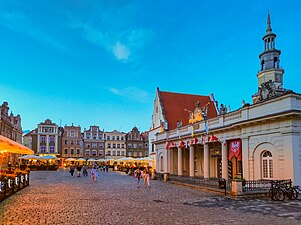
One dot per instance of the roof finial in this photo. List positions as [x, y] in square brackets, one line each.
[269, 28]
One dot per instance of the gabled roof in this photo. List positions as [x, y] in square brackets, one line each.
[29, 133]
[174, 105]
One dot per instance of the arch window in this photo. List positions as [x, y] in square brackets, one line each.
[161, 163]
[262, 65]
[276, 62]
[267, 165]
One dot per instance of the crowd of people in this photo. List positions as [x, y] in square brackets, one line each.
[139, 173]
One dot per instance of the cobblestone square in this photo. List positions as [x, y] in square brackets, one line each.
[57, 198]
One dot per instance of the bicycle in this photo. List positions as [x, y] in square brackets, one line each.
[280, 191]
[298, 189]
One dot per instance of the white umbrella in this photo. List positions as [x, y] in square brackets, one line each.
[146, 159]
[100, 160]
[81, 160]
[70, 159]
[30, 157]
[109, 159]
[46, 157]
[91, 160]
[126, 159]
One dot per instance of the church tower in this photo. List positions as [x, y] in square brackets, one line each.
[269, 60]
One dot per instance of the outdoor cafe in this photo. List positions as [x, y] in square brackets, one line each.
[126, 164]
[12, 177]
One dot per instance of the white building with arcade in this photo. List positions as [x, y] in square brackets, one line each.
[259, 141]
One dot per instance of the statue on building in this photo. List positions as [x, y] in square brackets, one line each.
[199, 113]
[164, 126]
[222, 109]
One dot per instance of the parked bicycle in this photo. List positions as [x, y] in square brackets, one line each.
[279, 191]
[298, 189]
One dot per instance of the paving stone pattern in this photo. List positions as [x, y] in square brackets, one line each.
[57, 198]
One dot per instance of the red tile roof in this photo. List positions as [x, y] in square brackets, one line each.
[174, 105]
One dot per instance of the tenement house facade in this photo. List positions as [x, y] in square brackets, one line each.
[259, 141]
[94, 143]
[27, 139]
[115, 144]
[10, 125]
[47, 138]
[137, 144]
[72, 142]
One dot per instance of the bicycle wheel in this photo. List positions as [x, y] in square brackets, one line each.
[294, 194]
[272, 193]
[279, 195]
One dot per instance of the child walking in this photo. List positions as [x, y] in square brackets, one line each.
[94, 174]
[138, 176]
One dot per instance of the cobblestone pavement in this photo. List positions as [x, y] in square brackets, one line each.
[58, 198]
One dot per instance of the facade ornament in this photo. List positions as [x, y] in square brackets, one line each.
[222, 109]
[199, 113]
[267, 90]
[179, 124]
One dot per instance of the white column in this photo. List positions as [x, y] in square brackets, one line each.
[166, 165]
[57, 144]
[38, 144]
[180, 166]
[47, 143]
[166, 162]
[224, 161]
[191, 160]
[206, 161]
[245, 158]
[170, 160]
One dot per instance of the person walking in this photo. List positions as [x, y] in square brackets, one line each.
[94, 174]
[85, 171]
[71, 170]
[138, 174]
[146, 179]
[78, 168]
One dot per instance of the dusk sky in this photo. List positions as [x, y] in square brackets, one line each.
[99, 62]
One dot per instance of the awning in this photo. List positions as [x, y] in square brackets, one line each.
[70, 159]
[81, 160]
[10, 146]
[30, 157]
[47, 157]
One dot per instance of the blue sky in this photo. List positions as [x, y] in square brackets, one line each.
[99, 62]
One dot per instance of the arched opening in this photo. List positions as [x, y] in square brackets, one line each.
[161, 163]
[267, 165]
[276, 62]
[262, 65]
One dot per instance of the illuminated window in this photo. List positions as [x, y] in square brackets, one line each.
[267, 165]
[51, 149]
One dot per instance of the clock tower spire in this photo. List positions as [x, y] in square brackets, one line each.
[270, 59]
[270, 76]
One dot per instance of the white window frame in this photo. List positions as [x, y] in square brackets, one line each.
[267, 165]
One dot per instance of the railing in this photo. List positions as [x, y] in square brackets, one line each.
[12, 183]
[256, 186]
[214, 183]
[253, 186]
[232, 116]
